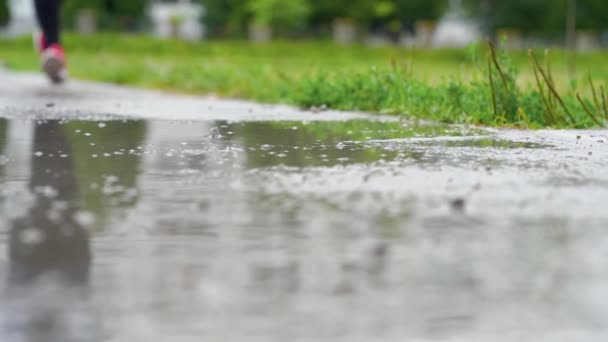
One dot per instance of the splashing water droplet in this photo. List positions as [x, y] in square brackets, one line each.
[85, 218]
[32, 236]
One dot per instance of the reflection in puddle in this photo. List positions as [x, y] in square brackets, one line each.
[49, 251]
[489, 143]
[335, 231]
[326, 143]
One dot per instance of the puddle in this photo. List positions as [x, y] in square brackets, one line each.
[327, 231]
[325, 143]
[490, 143]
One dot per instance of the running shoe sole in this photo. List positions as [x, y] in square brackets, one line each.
[54, 69]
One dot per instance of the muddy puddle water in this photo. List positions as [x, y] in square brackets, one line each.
[290, 231]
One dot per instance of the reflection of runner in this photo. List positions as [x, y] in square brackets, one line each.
[49, 43]
[49, 252]
[49, 239]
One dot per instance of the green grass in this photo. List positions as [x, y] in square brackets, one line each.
[451, 86]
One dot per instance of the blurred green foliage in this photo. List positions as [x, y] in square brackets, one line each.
[111, 14]
[4, 13]
[226, 17]
[540, 17]
[231, 17]
[279, 13]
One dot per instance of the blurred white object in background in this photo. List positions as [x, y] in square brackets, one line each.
[179, 19]
[455, 30]
[22, 18]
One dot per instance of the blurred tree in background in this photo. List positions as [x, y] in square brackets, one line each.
[324, 12]
[592, 14]
[280, 15]
[110, 14]
[539, 17]
[410, 11]
[231, 18]
[226, 17]
[125, 14]
[4, 13]
[402, 13]
[536, 17]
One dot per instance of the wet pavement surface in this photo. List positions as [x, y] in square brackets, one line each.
[122, 226]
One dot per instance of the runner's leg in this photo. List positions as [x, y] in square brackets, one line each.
[47, 12]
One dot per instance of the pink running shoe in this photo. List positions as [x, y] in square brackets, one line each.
[54, 63]
[39, 42]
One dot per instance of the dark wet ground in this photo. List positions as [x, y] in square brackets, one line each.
[231, 225]
[289, 231]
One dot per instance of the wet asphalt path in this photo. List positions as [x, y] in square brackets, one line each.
[131, 215]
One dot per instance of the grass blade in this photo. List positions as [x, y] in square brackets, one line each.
[552, 88]
[578, 96]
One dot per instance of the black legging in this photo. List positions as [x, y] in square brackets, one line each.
[47, 12]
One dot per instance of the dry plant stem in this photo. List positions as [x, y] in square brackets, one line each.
[503, 78]
[548, 67]
[603, 93]
[541, 90]
[580, 100]
[555, 93]
[551, 79]
[595, 101]
[500, 72]
[492, 87]
[544, 98]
